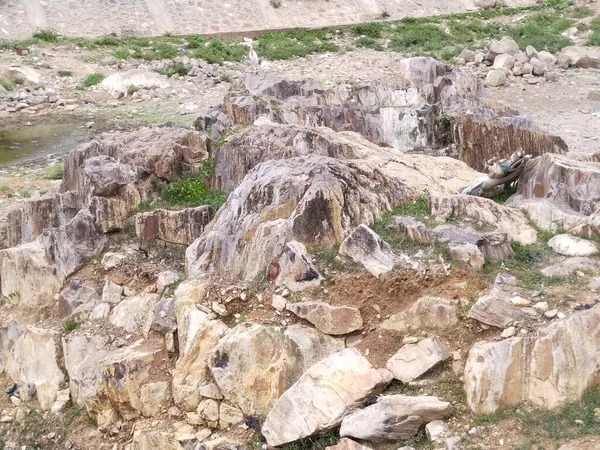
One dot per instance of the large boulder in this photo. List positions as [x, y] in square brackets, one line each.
[173, 227]
[394, 417]
[313, 199]
[254, 365]
[323, 396]
[118, 83]
[117, 383]
[548, 369]
[468, 208]
[35, 357]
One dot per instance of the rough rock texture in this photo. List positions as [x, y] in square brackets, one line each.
[35, 357]
[413, 228]
[567, 245]
[496, 309]
[135, 314]
[413, 360]
[322, 396]
[467, 253]
[334, 320]
[312, 199]
[425, 313]
[174, 227]
[347, 444]
[492, 245]
[582, 57]
[293, 268]
[115, 383]
[549, 369]
[559, 193]
[465, 208]
[75, 295]
[570, 266]
[394, 417]
[403, 115]
[254, 365]
[366, 247]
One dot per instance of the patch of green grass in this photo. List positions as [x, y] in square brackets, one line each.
[419, 37]
[175, 67]
[92, 79]
[370, 29]
[25, 193]
[194, 190]
[595, 37]
[6, 190]
[64, 73]
[6, 84]
[419, 441]
[70, 325]
[46, 35]
[298, 43]
[575, 420]
[132, 89]
[315, 442]
[507, 193]
[216, 51]
[581, 12]
[399, 388]
[543, 31]
[18, 81]
[495, 417]
[54, 172]
[368, 42]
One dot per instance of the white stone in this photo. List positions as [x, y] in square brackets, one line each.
[413, 360]
[567, 245]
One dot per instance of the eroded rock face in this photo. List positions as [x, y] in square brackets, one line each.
[549, 369]
[35, 358]
[312, 200]
[328, 319]
[394, 417]
[406, 116]
[254, 365]
[174, 227]
[323, 396]
[116, 383]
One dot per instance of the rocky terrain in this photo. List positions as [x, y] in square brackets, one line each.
[279, 256]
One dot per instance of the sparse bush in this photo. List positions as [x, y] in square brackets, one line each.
[25, 193]
[281, 46]
[275, 3]
[70, 325]
[18, 81]
[92, 79]
[131, 89]
[6, 190]
[64, 73]
[6, 84]
[46, 35]
[595, 27]
[54, 172]
[372, 29]
[225, 78]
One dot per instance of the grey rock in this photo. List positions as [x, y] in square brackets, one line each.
[413, 360]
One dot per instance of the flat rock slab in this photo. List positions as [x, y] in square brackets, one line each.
[567, 245]
[334, 320]
[323, 396]
[427, 312]
[570, 266]
[413, 360]
[394, 417]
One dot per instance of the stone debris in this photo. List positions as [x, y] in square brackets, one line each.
[414, 360]
[328, 319]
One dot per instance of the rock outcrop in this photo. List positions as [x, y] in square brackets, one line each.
[548, 369]
[323, 396]
[174, 227]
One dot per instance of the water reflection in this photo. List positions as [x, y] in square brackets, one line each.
[27, 143]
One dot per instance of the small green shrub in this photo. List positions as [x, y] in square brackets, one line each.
[92, 79]
[70, 325]
[368, 42]
[275, 3]
[225, 78]
[18, 81]
[6, 84]
[54, 172]
[6, 190]
[25, 193]
[46, 35]
[371, 29]
[64, 73]
[193, 190]
[298, 43]
[131, 89]
[216, 51]
[595, 37]
[176, 67]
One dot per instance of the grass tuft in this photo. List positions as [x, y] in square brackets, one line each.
[298, 43]
[64, 73]
[70, 325]
[54, 172]
[371, 29]
[92, 79]
[46, 35]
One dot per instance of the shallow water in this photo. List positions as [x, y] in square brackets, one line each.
[18, 145]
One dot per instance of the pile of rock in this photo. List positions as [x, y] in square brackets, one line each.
[28, 100]
[508, 61]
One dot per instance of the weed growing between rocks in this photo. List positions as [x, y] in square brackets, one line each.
[194, 190]
[70, 325]
[64, 73]
[54, 172]
[92, 79]
[595, 37]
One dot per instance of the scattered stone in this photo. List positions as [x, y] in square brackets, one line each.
[467, 253]
[166, 279]
[322, 396]
[174, 227]
[567, 245]
[436, 430]
[333, 320]
[467, 55]
[551, 313]
[505, 45]
[509, 332]
[413, 360]
[570, 266]
[112, 260]
[504, 61]
[293, 268]
[111, 292]
[394, 417]
[278, 302]
[547, 58]
[365, 247]
[582, 57]
[495, 78]
[415, 229]
[541, 307]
